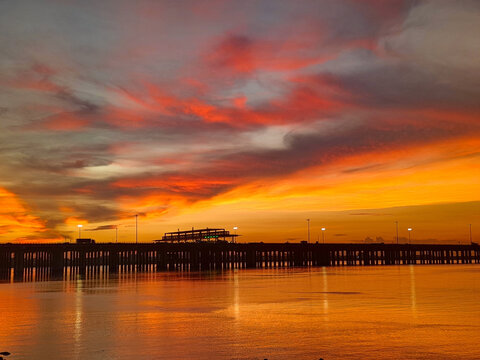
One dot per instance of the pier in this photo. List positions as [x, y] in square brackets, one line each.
[113, 257]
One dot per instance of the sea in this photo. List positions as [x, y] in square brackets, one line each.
[330, 313]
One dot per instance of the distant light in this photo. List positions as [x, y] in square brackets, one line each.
[409, 229]
[80, 226]
[235, 228]
[323, 229]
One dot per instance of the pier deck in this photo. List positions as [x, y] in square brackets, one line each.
[115, 257]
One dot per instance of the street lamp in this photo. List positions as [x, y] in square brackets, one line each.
[136, 228]
[409, 231]
[235, 228]
[323, 234]
[396, 224]
[308, 226]
[79, 231]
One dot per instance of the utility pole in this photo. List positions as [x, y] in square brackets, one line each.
[136, 228]
[396, 223]
[116, 234]
[308, 226]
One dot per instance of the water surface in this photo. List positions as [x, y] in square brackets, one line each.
[390, 312]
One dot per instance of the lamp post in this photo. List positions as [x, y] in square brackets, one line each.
[470, 233]
[80, 231]
[136, 228]
[409, 232]
[396, 224]
[323, 234]
[116, 233]
[235, 238]
[308, 227]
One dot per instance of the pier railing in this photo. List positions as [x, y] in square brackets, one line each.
[114, 257]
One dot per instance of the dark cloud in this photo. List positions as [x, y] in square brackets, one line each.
[398, 85]
[363, 168]
[103, 227]
[293, 239]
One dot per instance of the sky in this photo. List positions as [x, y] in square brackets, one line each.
[355, 114]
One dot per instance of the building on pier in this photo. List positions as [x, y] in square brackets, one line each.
[199, 235]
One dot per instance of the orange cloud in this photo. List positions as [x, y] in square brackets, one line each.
[74, 221]
[179, 184]
[16, 219]
[65, 121]
[244, 55]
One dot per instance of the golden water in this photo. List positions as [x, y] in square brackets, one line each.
[391, 312]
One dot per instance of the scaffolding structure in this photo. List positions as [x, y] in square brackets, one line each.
[199, 235]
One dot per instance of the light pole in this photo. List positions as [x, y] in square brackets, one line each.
[235, 238]
[116, 233]
[136, 228]
[80, 231]
[308, 225]
[396, 223]
[323, 234]
[470, 233]
[409, 232]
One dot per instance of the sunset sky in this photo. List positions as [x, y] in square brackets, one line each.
[257, 114]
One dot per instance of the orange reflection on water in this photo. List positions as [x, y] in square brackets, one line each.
[406, 312]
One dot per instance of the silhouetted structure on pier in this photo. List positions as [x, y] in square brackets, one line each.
[199, 235]
[55, 258]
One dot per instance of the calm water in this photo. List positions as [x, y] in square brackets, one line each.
[404, 312]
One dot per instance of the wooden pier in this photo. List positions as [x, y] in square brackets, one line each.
[111, 257]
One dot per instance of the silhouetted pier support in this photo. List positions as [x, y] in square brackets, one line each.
[113, 261]
[83, 258]
[18, 263]
[57, 262]
[251, 258]
[5, 264]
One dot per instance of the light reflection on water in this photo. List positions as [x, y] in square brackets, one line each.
[392, 312]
